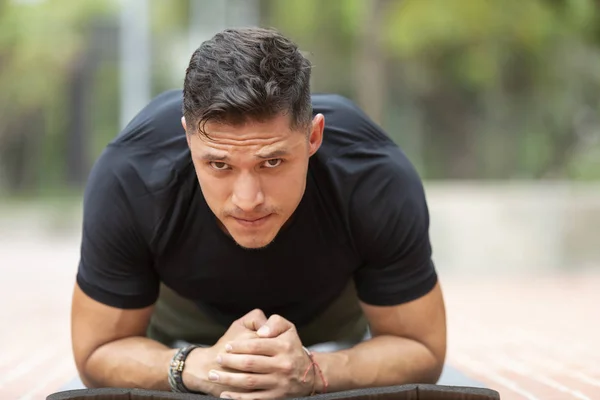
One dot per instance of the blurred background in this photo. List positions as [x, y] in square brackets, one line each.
[496, 102]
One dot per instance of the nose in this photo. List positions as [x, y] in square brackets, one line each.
[247, 192]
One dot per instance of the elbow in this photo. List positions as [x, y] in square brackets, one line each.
[86, 381]
[86, 377]
[434, 373]
[84, 365]
[429, 373]
[436, 367]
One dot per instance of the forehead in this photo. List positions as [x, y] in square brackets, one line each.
[250, 137]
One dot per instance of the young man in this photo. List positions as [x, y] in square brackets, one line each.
[253, 218]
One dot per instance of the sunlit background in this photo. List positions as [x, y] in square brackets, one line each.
[496, 102]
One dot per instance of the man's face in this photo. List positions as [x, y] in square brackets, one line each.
[253, 176]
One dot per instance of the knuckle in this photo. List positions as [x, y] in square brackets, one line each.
[283, 386]
[257, 312]
[287, 367]
[253, 346]
[249, 382]
[286, 346]
[276, 318]
[248, 363]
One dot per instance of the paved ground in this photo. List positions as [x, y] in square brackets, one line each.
[525, 337]
[529, 338]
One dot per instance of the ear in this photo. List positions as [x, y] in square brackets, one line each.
[187, 136]
[316, 135]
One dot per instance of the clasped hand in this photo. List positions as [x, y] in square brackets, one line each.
[270, 365]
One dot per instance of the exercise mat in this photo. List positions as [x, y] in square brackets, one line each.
[402, 392]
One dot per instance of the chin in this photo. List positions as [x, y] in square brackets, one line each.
[253, 243]
[254, 239]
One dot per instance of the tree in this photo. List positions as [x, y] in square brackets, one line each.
[39, 42]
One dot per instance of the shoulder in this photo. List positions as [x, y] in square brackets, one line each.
[142, 167]
[388, 189]
[346, 124]
[155, 122]
[332, 103]
[151, 152]
[378, 189]
[380, 199]
[359, 153]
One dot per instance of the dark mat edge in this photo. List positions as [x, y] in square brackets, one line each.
[490, 393]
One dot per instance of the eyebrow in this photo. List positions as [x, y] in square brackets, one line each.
[213, 157]
[264, 156]
[273, 154]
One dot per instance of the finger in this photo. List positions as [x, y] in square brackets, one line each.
[254, 319]
[275, 326]
[258, 346]
[247, 363]
[254, 395]
[242, 380]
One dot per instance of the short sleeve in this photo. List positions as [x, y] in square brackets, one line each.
[390, 224]
[115, 266]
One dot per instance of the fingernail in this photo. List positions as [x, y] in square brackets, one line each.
[219, 359]
[213, 376]
[263, 331]
[228, 347]
[225, 396]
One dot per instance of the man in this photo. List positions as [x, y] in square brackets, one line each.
[255, 220]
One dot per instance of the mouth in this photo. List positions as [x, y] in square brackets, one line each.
[252, 222]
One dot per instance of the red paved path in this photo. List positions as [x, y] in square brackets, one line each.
[527, 338]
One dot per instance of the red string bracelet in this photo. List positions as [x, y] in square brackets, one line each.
[317, 369]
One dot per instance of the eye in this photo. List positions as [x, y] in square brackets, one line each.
[275, 162]
[219, 165]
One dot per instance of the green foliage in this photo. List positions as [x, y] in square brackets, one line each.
[37, 45]
[520, 68]
[39, 42]
[474, 88]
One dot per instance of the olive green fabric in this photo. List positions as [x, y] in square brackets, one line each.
[178, 319]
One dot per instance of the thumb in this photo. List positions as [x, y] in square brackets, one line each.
[254, 319]
[275, 326]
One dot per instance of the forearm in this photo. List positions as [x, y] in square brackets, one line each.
[131, 362]
[381, 361]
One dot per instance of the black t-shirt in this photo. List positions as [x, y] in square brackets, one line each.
[363, 216]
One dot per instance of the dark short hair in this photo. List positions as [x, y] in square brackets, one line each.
[247, 74]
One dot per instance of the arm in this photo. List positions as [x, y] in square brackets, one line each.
[405, 348]
[408, 346]
[398, 286]
[111, 349]
[117, 287]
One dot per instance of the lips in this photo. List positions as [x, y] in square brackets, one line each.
[252, 222]
[254, 219]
